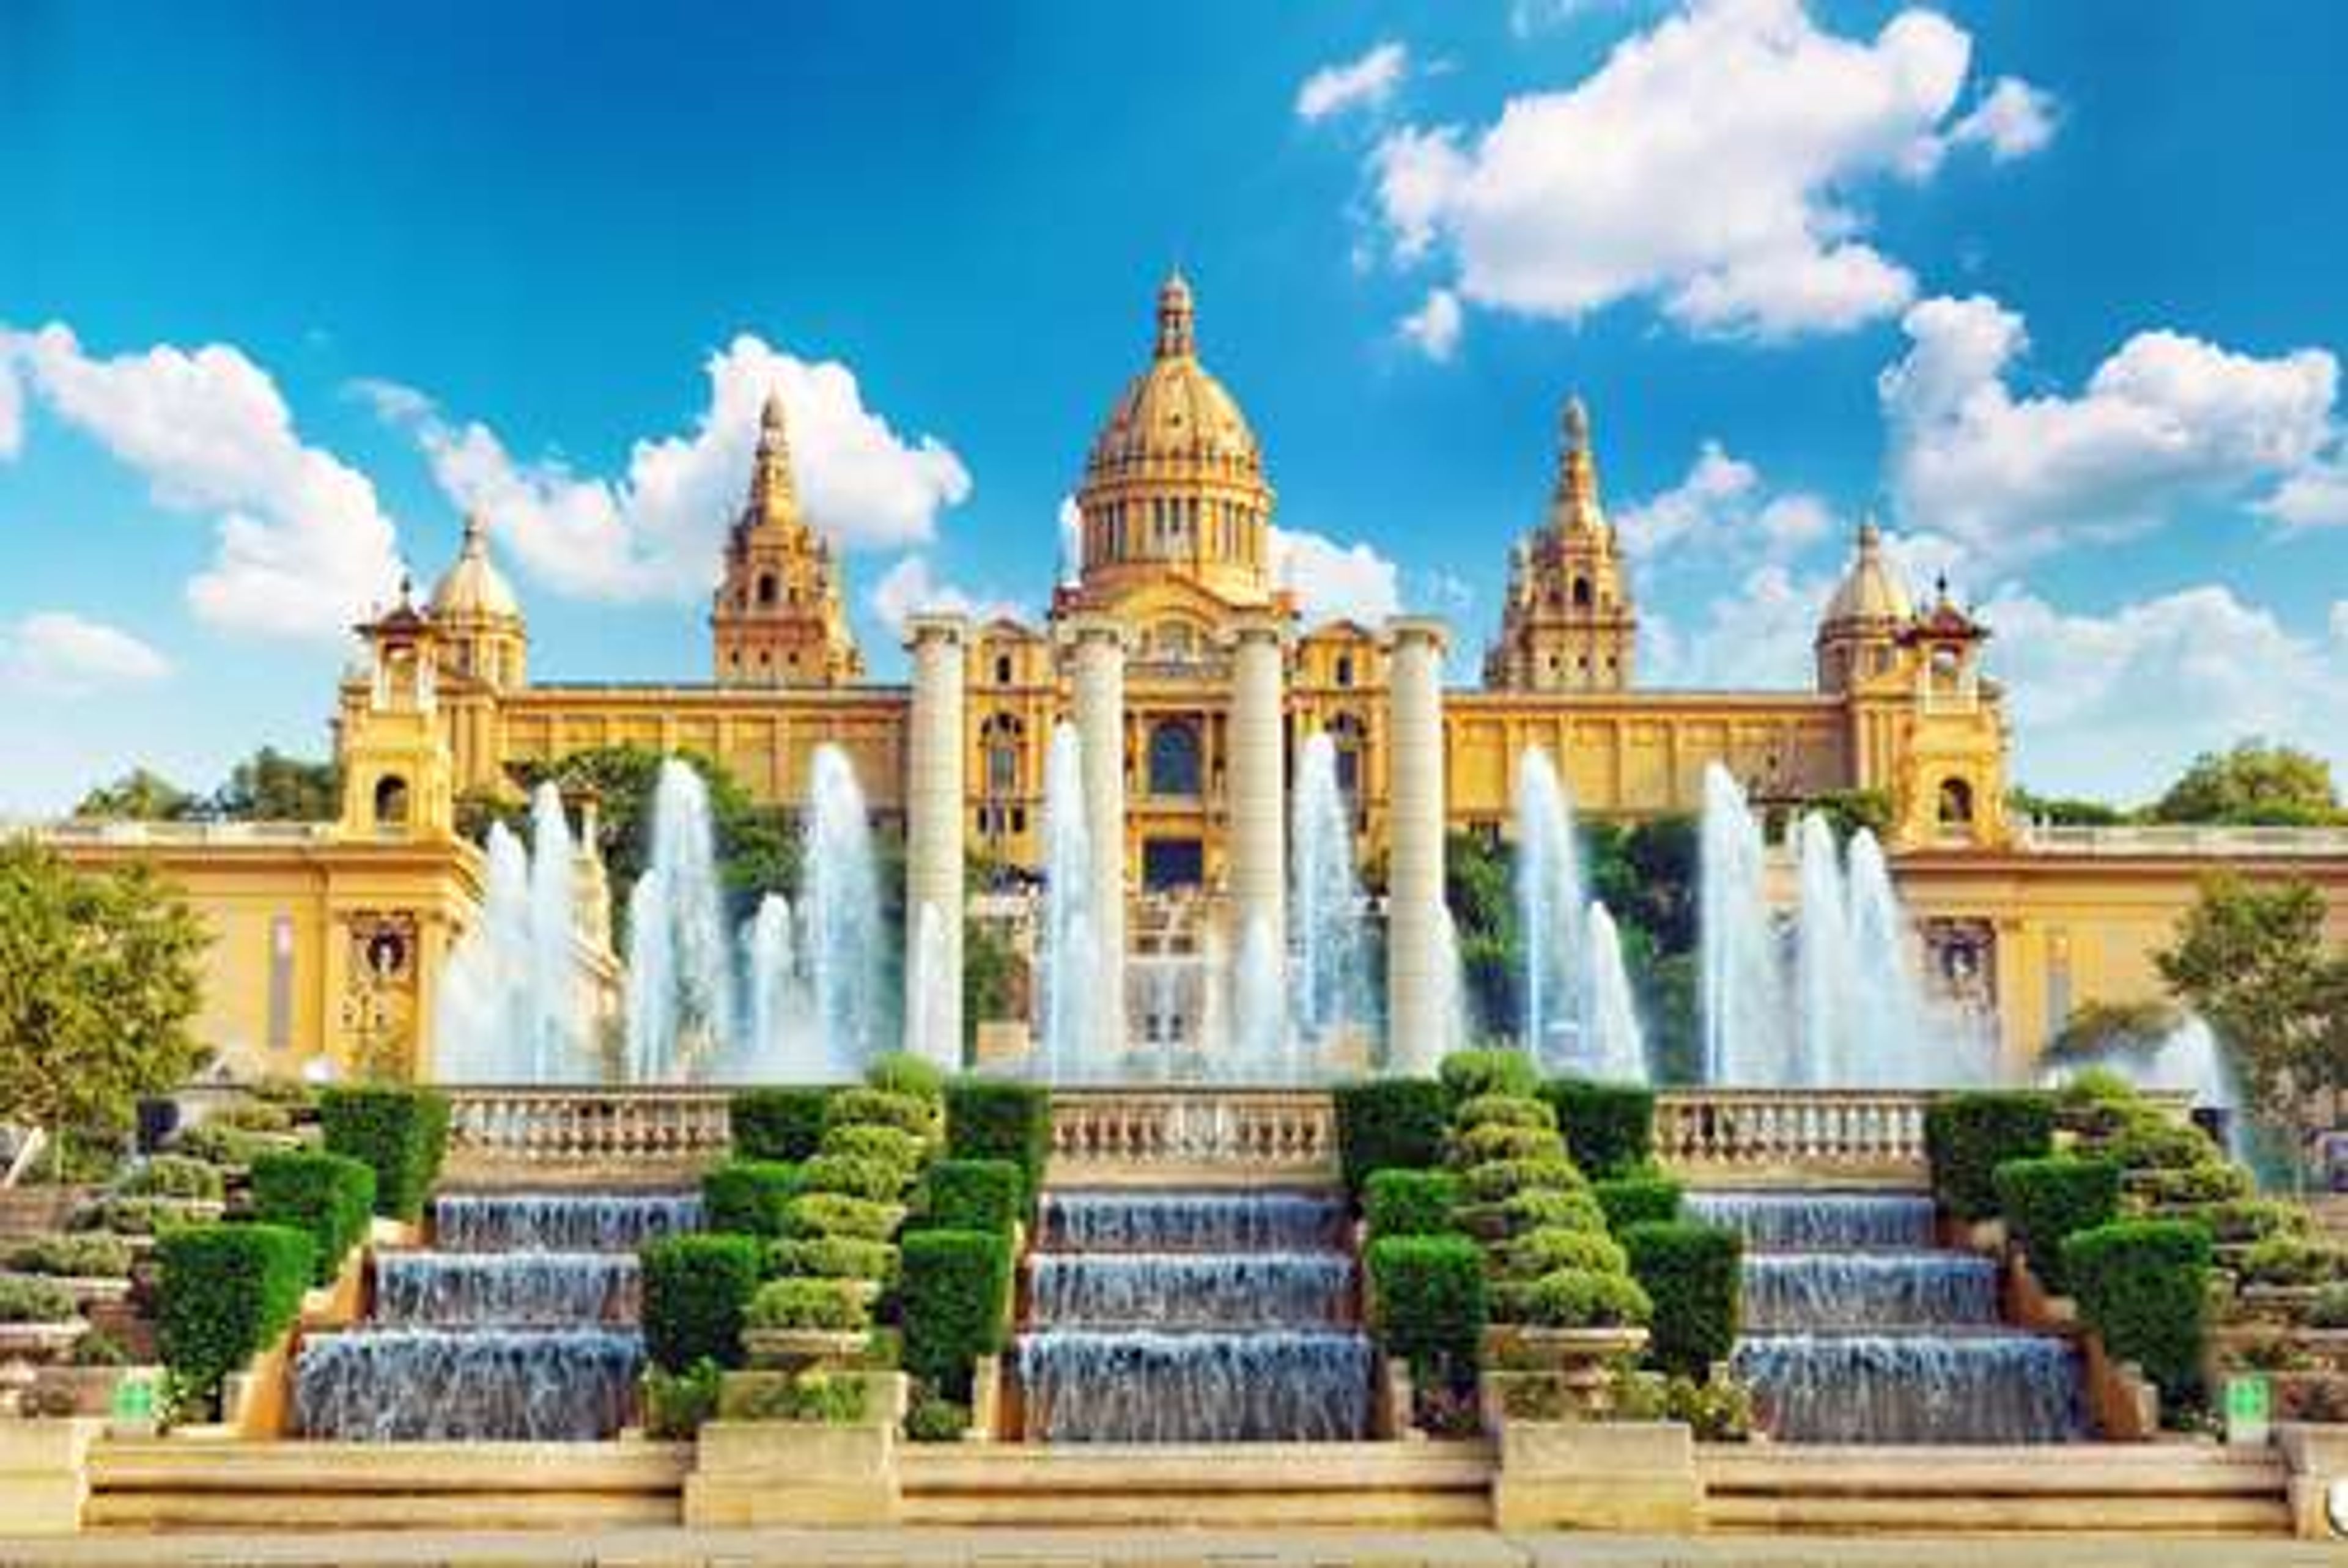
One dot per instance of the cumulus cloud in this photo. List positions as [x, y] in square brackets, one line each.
[11, 411]
[1757, 637]
[304, 548]
[1710, 164]
[1072, 540]
[1434, 328]
[1363, 82]
[57, 653]
[910, 587]
[1722, 506]
[2164, 422]
[2014, 120]
[2314, 498]
[655, 531]
[1334, 582]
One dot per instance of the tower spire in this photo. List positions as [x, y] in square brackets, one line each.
[1575, 507]
[1175, 338]
[771, 492]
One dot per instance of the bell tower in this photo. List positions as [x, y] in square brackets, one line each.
[778, 620]
[397, 774]
[1568, 625]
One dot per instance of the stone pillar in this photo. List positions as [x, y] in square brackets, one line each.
[1415, 990]
[934, 837]
[1098, 647]
[1256, 780]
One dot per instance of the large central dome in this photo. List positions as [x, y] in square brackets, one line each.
[1173, 489]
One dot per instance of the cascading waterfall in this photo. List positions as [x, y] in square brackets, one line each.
[514, 1289]
[839, 914]
[1329, 964]
[1549, 910]
[1190, 1221]
[559, 1222]
[1743, 1001]
[1860, 1290]
[680, 965]
[1065, 962]
[1610, 1047]
[508, 1010]
[1820, 1221]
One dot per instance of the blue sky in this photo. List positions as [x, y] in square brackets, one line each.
[2052, 289]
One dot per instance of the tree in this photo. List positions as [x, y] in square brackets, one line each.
[2063, 811]
[1849, 810]
[2254, 784]
[2250, 960]
[100, 982]
[269, 786]
[2099, 1029]
[1480, 888]
[139, 796]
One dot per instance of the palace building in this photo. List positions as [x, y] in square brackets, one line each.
[1195, 682]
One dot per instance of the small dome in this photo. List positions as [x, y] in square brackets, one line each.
[1175, 412]
[473, 585]
[1869, 591]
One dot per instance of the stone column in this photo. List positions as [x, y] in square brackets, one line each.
[935, 805]
[1098, 683]
[1256, 780]
[1414, 1025]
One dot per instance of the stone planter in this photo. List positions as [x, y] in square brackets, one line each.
[1541, 1373]
[92, 1289]
[40, 1342]
[1630, 1476]
[749, 1474]
[803, 1349]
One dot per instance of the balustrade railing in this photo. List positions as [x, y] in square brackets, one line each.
[560, 1135]
[1759, 1135]
[1202, 1134]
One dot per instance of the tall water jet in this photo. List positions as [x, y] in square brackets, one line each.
[1612, 1047]
[926, 1026]
[1066, 961]
[508, 1010]
[1329, 967]
[555, 1028]
[1451, 981]
[777, 1046]
[1742, 1002]
[839, 916]
[1549, 901]
[1259, 1035]
[680, 968]
[1826, 974]
[2188, 1059]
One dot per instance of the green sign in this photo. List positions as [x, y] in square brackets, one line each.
[2249, 1406]
[134, 1399]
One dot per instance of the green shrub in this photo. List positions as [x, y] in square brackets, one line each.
[677, 1404]
[1390, 1124]
[1504, 1111]
[2048, 1201]
[973, 1195]
[956, 1298]
[26, 1299]
[1428, 1301]
[2143, 1284]
[1550, 1248]
[932, 1420]
[834, 1306]
[1499, 1180]
[209, 1143]
[99, 1348]
[88, 1255]
[695, 1288]
[254, 1116]
[137, 1217]
[832, 1258]
[329, 1197]
[2329, 1308]
[1695, 1275]
[882, 1143]
[2255, 1219]
[1496, 1140]
[852, 1175]
[776, 1124]
[401, 1132]
[1609, 1127]
[2150, 1141]
[1470, 1074]
[223, 1292]
[1410, 1203]
[2190, 1186]
[2292, 1260]
[987, 1120]
[1968, 1137]
[902, 1072]
[1638, 1199]
[836, 1214]
[749, 1197]
[1583, 1298]
[821, 1398]
[1571, 1208]
[173, 1177]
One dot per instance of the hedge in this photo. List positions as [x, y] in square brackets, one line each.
[987, 1120]
[695, 1288]
[1610, 1128]
[956, 1300]
[1391, 1123]
[1968, 1137]
[223, 1292]
[1427, 1301]
[401, 1132]
[2046, 1202]
[749, 1197]
[330, 1197]
[1467, 1074]
[1638, 1199]
[776, 1124]
[1411, 1203]
[1695, 1275]
[2143, 1284]
[987, 1195]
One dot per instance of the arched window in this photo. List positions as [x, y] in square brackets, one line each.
[1351, 742]
[1002, 669]
[390, 801]
[1582, 593]
[1174, 759]
[765, 587]
[1956, 803]
[999, 739]
[1345, 669]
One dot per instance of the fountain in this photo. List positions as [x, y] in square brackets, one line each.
[1609, 1047]
[1259, 1011]
[1549, 910]
[2188, 1059]
[1065, 959]
[926, 1032]
[775, 1048]
[680, 970]
[510, 1009]
[840, 939]
[1329, 961]
[1742, 1000]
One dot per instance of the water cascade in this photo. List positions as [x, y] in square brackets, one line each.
[840, 938]
[1170, 1316]
[1549, 911]
[519, 1324]
[1066, 961]
[1743, 1001]
[508, 1010]
[1858, 1330]
[1329, 939]
[680, 965]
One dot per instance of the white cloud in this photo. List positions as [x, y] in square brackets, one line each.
[1724, 505]
[1072, 540]
[1334, 581]
[2314, 498]
[1710, 163]
[304, 548]
[910, 589]
[54, 652]
[656, 531]
[11, 408]
[2014, 120]
[2166, 422]
[2340, 621]
[1756, 638]
[1527, 17]
[1434, 327]
[1365, 83]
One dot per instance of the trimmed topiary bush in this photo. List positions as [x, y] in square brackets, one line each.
[1427, 1301]
[1497, 1140]
[1553, 1247]
[1638, 1199]
[173, 1177]
[1968, 1137]
[1390, 1124]
[695, 1290]
[1695, 1275]
[956, 1296]
[329, 1197]
[2046, 1202]
[1411, 1203]
[2255, 1219]
[2148, 1141]
[987, 1120]
[26, 1298]
[833, 1305]
[2191, 1186]
[1583, 1298]
[1503, 1111]
[854, 1176]
[91, 1256]
[2293, 1260]
[836, 1214]
[781, 1125]
[1471, 1075]
[908, 1115]
[1499, 1180]
[2143, 1286]
[223, 1292]
[988, 1196]
[832, 1258]
[1610, 1128]
[879, 1142]
[749, 1197]
[401, 1133]
[902, 1072]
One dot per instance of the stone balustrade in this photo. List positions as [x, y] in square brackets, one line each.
[528, 1136]
[1194, 1135]
[1758, 1136]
